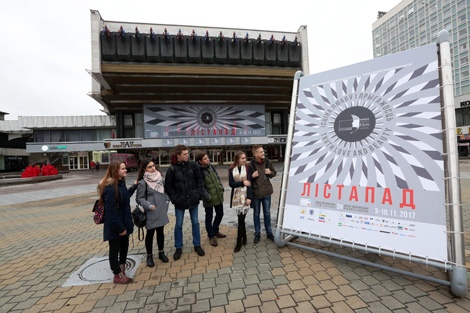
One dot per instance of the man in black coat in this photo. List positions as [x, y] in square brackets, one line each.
[185, 187]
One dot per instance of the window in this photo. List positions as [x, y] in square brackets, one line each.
[411, 11]
[57, 136]
[72, 135]
[463, 32]
[88, 135]
[463, 46]
[461, 4]
[42, 136]
[446, 13]
[462, 18]
[128, 120]
[464, 59]
[465, 74]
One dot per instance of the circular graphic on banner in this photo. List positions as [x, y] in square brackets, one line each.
[206, 118]
[354, 124]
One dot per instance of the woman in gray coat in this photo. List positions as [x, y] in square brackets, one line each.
[152, 197]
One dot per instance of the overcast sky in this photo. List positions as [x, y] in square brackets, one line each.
[46, 48]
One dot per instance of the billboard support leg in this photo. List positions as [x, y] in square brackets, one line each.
[458, 277]
[285, 175]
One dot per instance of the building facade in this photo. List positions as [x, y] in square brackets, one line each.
[413, 23]
[216, 89]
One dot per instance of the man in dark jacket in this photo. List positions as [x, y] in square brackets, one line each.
[214, 187]
[262, 170]
[184, 187]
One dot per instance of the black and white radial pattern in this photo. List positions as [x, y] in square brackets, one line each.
[245, 120]
[403, 147]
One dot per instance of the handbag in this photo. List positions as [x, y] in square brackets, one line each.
[140, 218]
[99, 213]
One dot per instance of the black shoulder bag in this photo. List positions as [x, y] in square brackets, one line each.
[140, 218]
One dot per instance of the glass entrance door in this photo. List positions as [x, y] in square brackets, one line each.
[73, 162]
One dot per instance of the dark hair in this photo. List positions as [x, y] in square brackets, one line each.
[143, 167]
[236, 159]
[200, 155]
[111, 177]
[179, 149]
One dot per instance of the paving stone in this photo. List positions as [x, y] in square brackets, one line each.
[157, 297]
[219, 300]
[268, 307]
[235, 306]
[136, 303]
[187, 300]
[204, 294]
[239, 284]
[168, 305]
[429, 303]
[201, 306]
[368, 296]
[208, 283]
[191, 288]
[236, 294]
[320, 302]
[106, 301]
[221, 288]
[251, 290]
[378, 307]
[127, 296]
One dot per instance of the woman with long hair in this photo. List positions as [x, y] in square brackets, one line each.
[240, 198]
[118, 225]
[151, 196]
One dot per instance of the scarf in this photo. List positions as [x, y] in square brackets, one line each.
[239, 193]
[154, 181]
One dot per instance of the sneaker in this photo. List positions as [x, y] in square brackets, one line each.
[122, 279]
[213, 241]
[199, 251]
[270, 237]
[220, 235]
[177, 254]
[256, 239]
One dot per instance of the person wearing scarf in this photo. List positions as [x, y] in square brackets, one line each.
[151, 196]
[240, 198]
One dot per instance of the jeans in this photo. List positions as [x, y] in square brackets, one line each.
[256, 204]
[212, 228]
[118, 249]
[179, 213]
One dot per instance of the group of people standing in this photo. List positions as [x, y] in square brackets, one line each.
[185, 184]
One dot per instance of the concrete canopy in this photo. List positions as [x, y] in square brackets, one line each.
[126, 76]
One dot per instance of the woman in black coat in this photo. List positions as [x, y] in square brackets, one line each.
[118, 225]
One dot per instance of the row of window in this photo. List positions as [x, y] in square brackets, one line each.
[73, 135]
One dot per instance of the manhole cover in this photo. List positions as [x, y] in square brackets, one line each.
[97, 271]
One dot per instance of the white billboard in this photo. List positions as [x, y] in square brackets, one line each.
[367, 164]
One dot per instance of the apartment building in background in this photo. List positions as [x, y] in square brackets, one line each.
[413, 23]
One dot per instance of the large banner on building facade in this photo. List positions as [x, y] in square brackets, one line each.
[367, 164]
[176, 121]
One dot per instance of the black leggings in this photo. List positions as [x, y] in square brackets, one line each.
[118, 249]
[149, 239]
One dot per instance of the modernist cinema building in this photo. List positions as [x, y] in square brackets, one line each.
[217, 89]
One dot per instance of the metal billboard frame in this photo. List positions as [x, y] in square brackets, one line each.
[456, 269]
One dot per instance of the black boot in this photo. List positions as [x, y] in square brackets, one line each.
[238, 246]
[162, 256]
[243, 229]
[150, 260]
[241, 224]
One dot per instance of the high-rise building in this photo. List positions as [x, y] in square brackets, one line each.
[413, 23]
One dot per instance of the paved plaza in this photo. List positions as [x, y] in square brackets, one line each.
[47, 233]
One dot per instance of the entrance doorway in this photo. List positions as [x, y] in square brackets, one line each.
[79, 162]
